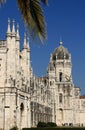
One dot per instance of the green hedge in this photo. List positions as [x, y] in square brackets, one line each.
[49, 124]
[14, 128]
[41, 124]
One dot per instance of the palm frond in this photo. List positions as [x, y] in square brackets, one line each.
[45, 1]
[33, 17]
[2, 2]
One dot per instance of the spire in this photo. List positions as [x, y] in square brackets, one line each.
[70, 56]
[60, 43]
[28, 46]
[25, 44]
[17, 33]
[8, 30]
[50, 57]
[13, 28]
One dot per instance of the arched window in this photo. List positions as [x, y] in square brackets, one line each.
[21, 106]
[60, 76]
[50, 83]
[60, 98]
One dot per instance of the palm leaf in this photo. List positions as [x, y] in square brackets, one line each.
[32, 14]
[2, 1]
[33, 17]
[45, 1]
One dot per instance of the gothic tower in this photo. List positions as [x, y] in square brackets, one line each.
[60, 81]
[16, 68]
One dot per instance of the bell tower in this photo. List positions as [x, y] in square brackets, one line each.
[60, 70]
[63, 66]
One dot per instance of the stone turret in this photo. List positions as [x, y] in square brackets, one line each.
[17, 33]
[28, 58]
[26, 62]
[13, 51]
[62, 62]
[28, 46]
[13, 29]
[8, 30]
[60, 80]
[17, 51]
[13, 40]
[8, 34]
[25, 42]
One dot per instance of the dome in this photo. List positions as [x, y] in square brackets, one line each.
[61, 52]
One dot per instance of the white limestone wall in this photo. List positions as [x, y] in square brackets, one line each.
[2, 67]
[76, 118]
[2, 111]
[82, 118]
[82, 111]
[68, 116]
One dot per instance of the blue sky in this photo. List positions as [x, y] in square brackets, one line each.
[65, 19]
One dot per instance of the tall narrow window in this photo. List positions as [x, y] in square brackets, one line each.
[60, 98]
[60, 76]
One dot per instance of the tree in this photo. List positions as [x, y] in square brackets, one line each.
[33, 17]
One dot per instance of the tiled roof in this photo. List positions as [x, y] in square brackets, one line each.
[82, 97]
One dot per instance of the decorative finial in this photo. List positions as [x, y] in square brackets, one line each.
[13, 27]
[17, 33]
[24, 35]
[28, 46]
[70, 56]
[8, 30]
[60, 43]
[50, 57]
[28, 41]
[25, 44]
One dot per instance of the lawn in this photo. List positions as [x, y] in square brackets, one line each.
[56, 128]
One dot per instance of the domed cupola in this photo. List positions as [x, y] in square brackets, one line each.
[61, 52]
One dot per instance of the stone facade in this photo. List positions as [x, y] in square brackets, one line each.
[69, 105]
[15, 72]
[25, 99]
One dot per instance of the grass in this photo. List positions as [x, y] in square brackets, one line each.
[56, 128]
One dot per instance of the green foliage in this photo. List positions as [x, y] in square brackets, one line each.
[14, 128]
[51, 124]
[32, 14]
[41, 124]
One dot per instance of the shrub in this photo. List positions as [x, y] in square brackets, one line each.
[14, 128]
[51, 124]
[41, 124]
